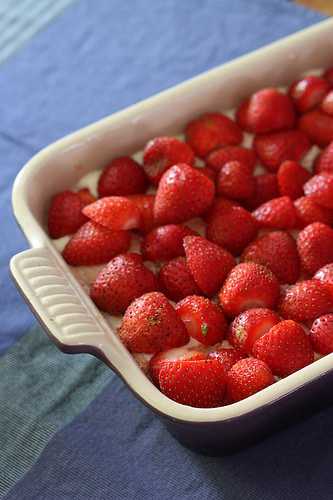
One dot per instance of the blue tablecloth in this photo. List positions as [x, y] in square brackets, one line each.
[69, 427]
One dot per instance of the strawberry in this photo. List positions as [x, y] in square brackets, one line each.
[325, 275]
[315, 246]
[305, 301]
[198, 383]
[321, 334]
[286, 348]
[203, 319]
[278, 213]
[328, 75]
[208, 172]
[85, 196]
[176, 280]
[249, 326]
[230, 226]
[235, 181]
[145, 204]
[265, 249]
[308, 92]
[183, 193]
[208, 263]
[228, 356]
[218, 158]
[93, 244]
[320, 188]
[247, 377]
[324, 161]
[249, 285]
[121, 177]
[150, 324]
[309, 211]
[268, 110]
[162, 153]
[291, 178]
[114, 212]
[210, 131]
[318, 126]
[175, 354]
[266, 188]
[327, 104]
[241, 114]
[275, 148]
[65, 214]
[122, 280]
[165, 242]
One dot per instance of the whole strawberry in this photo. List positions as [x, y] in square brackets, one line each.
[65, 214]
[266, 188]
[286, 348]
[321, 334]
[265, 249]
[308, 92]
[320, 188]
[145, 205]
[210, 131]
[309, 211]
[150, 324]
[249, 326]
[278, 213]
[163, 152]
[203, 319]
[228, 356]
[198, 383]
[328, 75]
[93, 244]
[235, 181]
[324, 161]
[318, 126]
[114, 212]
[248, 286]
[305, 301]
[219, 157]
[269, 110]
[121, 177]
[176, 280]
[183, 192]
[325, 274]
[122, 280]
[165, 242]
[209, 263]
[174, 355]
[327, 104]
[291, 179]
[315, 246]
[247, 377]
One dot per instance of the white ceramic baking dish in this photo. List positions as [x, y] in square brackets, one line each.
[64, 309]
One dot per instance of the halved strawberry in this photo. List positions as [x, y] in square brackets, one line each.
[266, 188]
[309, 211]
[291, 179]
[315, 246]
[327, 104]
[241, 114]
[228, 356]
[328, 75]
[150, 324]
[320, 188]
[321, 334]
[247, 377]
[145, 204]
[183, 192]
[165, 242]
[210, 131]
[308, 92]
[278, 213]
[203, 319]
[208, 263]
[305, 301]
[235, 181]
[249, 326]
[174, 355]
[318, 126]
[65, 214]
[218, 158]
[325, 275]
[114, 212]
[122, 280]
[248, 286]
[121, 177]
[93, 244]
[176, 280]
[162, 153]
[324, 161]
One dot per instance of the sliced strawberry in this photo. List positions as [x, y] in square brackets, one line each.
[230, 226]
[265, 249]
[249, 326]
[320, 188]
[150, 324]
[165, 242]
[291, 179]
[305, 301]
[145, 204]
[324, 161]
[199, 383]
[228, 356]
[278, 213]
[321, 334]
[309, 211]
[218, 158]
[266, 188]
[210, 131]
[315, 246]
[247, 377]
[162, 153]
[325, 275]
[308, 92]
[327, 104]
[122, 280]
[121, 177]
[248, 286]
[208, 263]
[275, 148]
[318, 126]
[93, 244]
[65, 214]
[268, 110]
[176, 280]
[235, 181]
[114, 212]
[285, 348]
[183, 193]
[203, 319]
[173, 355]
